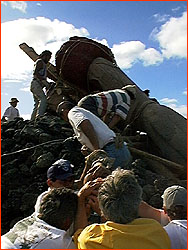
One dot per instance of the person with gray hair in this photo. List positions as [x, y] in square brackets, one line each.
[119, 197]
[47, 230]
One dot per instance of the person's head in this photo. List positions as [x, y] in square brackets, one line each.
[13, 101]
[146, 91]
[45, 55]
[119, 197]
[58, 207]
[63, 109]
[175, 202]
[60, 174]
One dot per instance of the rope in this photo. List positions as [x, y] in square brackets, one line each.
[27, 149]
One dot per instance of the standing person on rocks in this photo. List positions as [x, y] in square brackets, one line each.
[93, 133]
[11, 112]
[38, 83]
[47, 230]
[115, 103]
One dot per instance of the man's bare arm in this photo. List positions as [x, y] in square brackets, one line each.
[115, 119]
[147, 211]
[88, 130]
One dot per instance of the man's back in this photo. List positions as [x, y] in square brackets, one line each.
[177, 231]
[32, 232]
[139, 234]
[77, 115]
[117, 101]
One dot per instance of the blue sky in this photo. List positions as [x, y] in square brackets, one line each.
[148, 39]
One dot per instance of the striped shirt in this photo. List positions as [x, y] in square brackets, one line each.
[116, 101]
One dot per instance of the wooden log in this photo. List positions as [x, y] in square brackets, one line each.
[163, 166]
[51, 69]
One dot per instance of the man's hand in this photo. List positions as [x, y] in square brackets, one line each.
[46, 84]
[94, 204]
[85, 151]
[98, 170]
[90, 188]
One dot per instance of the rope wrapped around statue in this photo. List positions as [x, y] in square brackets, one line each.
[88, 66]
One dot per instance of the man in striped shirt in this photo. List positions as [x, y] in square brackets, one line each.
[111, 106]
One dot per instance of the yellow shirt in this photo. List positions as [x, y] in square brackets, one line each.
[139, 234]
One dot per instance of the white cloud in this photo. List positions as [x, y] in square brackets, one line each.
[4, 94]
[40, 33]
[172, 103]
[26, 116]
[160, 18]
[103, 41]
[39, 4]
[19, 5]
[128, 53]
[26, 89]
[17, 66]
[172, 37]
[176, 9]
[182, 109]
[184, 92]
[4, 3]
[151, 57]
[12, 81]
[167, 100]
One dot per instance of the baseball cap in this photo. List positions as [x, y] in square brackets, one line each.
[60, 170]
[174, 195]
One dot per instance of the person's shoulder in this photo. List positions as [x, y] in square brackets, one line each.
[76, 109]
[39, 62]
[181, 223]
[95, 228]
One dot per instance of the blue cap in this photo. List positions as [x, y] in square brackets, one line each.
[60, 170]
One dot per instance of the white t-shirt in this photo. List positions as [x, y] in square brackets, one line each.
[11, 113]
[104, 134]
[177, 232]
[32, 232]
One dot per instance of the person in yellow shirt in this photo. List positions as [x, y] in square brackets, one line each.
[119, 197]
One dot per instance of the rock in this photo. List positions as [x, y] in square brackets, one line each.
[33, 148]
[44, 137]
[45, 160]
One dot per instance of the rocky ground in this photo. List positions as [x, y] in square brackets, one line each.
[28, 149]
